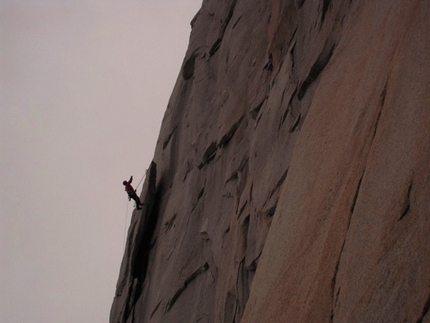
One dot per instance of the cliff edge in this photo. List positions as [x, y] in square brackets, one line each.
[291, 177]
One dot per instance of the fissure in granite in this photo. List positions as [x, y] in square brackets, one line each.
[425, 311]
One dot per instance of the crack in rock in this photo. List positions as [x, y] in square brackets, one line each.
[169, 137]
[217, 44]
[209, 154]
[326, 4]
[334, 296]
[407, 203]
[229, 134]
[188, 69]
[425, 310]
[316, 69]
[184, 286]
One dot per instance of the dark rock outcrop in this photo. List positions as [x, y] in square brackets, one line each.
[292, 179]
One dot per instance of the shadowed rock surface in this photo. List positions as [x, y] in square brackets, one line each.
[291, 178]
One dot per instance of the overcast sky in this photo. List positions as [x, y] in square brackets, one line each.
[83, 88]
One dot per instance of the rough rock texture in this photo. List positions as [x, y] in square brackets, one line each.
[291, 179]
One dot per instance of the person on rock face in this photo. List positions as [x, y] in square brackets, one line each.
[132, 193]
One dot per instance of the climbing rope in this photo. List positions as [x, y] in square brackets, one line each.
[125, 224]
[140, 181]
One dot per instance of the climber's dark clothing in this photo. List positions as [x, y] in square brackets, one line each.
[132, 193]
[128, 187]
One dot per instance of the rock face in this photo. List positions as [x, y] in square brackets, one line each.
[291, 178]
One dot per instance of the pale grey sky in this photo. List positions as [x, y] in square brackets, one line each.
[83, 88]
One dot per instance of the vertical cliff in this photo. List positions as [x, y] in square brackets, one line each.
[291, 178]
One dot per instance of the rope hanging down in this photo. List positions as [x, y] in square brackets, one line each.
[125, 224]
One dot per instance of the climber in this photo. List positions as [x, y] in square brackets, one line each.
[132, 192]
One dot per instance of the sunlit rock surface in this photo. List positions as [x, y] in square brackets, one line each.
[291, 178]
